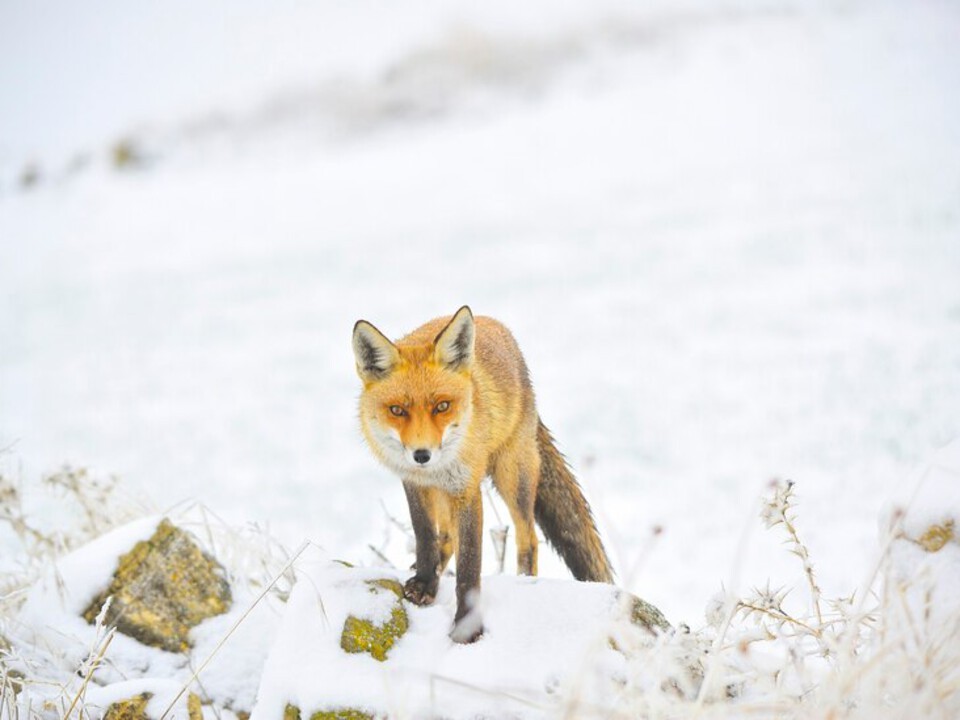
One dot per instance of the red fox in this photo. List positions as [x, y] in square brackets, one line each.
[446, 406]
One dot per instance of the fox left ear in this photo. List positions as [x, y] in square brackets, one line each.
[454, 345]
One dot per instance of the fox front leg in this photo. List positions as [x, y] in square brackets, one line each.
[467, 624]
[421, 589]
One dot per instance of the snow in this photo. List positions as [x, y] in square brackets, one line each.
[51, 617]
[545, 641]
[51, 621]
[53, 638]
[163, 692]
[933, 495]
[75, 580]
[728, 242]
[930, 580]
[550, 647]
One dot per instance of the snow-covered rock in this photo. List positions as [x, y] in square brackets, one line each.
[343, 642]
[145, 706]
[162, 588]
[75, 657]
[924, 567]
[931, 512]
[548, 645]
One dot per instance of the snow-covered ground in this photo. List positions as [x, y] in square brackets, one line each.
[333, 636]
[726, 237]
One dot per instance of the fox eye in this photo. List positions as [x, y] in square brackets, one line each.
[397, 410]
[442, 406]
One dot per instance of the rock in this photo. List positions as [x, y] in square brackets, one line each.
[936, 536]
[293, 713]
[923, 569]
[645, 622]
[133, 709]
[126, 154]
[645, 615]
[194, 709]
[343, 650]
[363, 635]
[162, 588]
[136, 708]
[29, 176]
[342, 714]
[927, 510]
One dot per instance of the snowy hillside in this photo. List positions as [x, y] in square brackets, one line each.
[726, 237]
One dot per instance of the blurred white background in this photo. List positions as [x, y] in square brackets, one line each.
[726, 235]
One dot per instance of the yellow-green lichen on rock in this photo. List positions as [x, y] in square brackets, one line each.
[162, 588]
[363, 635]
[341, 714]
[390, 584]
[637, 613]
[135, 708]
[194, 708]
[936, 536]
[647, 616]
[291, 712]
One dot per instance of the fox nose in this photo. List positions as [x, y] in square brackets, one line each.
[422, 456]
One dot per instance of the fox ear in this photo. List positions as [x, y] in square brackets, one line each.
[454, 345]
[375, 354]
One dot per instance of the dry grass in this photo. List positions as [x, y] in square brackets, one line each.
[883, 652]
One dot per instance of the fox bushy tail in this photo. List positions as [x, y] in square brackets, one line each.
[563, 514]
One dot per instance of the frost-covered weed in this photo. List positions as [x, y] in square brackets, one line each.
[883, 651]
[871, 655]
[51, 679]
[95, 503]
[38, 682]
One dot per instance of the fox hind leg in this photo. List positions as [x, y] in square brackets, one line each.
[446, 531]
[515, 476]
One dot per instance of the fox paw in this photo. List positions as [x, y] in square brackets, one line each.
[420, 591]
[466, 631]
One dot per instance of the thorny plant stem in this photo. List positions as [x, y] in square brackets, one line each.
[801, 551]
[781, 616]
[730, 610]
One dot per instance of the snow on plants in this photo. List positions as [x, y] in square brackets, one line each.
[308, 634]
[748, 209]
[56, 664]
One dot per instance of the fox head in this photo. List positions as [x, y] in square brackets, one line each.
[417, 398]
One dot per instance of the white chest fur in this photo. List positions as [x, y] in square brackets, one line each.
[451, 477]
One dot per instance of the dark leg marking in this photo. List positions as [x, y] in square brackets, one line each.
[422, 587]
[468, 625]
[525, 562]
